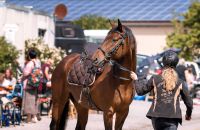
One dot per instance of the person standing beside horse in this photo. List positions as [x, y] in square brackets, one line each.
[30, 103]
[165, 111]
[46, 82]
[47, 72]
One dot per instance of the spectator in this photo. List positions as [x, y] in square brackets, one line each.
[190, 79]
[193, 71]
[8, 85]
[9, 81]
[47, 70]
[182, 70]
[30, 103]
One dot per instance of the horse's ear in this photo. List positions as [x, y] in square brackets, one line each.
[119, 28]
[111, 23]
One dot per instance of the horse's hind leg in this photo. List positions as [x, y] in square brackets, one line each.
[60, 109]
[108, 120]
[82, 116]
[59, 114]
[120, 118]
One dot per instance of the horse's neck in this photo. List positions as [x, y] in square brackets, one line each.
[127, 63]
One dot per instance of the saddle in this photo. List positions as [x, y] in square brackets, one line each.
[80, 73]
[83, 73]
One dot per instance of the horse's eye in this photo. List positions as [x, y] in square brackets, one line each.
[114, 40]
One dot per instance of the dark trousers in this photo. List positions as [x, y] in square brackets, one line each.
[165, 123]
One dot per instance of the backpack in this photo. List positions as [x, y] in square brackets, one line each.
[34, 79]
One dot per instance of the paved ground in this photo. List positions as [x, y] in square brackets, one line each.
[136, 120]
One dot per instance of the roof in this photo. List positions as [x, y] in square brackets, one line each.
[126, 10]
[96, 33]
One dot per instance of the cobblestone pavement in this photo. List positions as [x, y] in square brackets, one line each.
[136, 120]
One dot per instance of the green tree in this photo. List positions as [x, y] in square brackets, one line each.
[8, 56]
[93, 22]
[187, 33]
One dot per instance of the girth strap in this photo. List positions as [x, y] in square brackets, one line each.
[87, 93]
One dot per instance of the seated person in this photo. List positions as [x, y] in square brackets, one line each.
[7, 85]
[9, 81]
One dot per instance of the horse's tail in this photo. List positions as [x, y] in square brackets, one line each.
[64, 117]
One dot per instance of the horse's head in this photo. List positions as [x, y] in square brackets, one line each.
[118, 43]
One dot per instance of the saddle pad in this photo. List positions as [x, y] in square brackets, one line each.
[79, 73]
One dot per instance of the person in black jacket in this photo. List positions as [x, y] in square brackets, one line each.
[165, 111]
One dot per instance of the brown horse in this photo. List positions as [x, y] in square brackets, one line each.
[112, 91]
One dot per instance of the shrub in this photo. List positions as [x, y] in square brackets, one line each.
[44, 51]
[8, 56]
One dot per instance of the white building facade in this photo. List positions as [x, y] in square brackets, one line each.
[18, 24]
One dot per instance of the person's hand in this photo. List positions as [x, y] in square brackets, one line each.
[187, 117]
[19, 80]
[133, 75]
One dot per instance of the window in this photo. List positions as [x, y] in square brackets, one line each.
[41, 32]
[68, 32]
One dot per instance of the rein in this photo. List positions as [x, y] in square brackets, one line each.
[112, 62]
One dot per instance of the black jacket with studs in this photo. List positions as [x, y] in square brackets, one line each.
[166, 104]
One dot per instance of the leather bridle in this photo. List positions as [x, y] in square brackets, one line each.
[114, 50]
[108, 55]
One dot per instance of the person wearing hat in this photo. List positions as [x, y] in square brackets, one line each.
[165, 111]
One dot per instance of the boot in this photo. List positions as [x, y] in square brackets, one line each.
[38, 117]
[28, 119]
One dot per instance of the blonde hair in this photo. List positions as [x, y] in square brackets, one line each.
[170, 78]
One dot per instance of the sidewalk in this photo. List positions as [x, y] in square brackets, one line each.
[136, 120]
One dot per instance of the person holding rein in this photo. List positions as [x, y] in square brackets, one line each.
[165, 111]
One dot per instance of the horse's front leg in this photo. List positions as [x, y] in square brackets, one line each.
[82, 116]
[120, 118]
[108, 120]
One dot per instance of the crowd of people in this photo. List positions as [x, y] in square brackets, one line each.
[30, 104]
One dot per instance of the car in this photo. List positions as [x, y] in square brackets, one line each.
[195, 68]
[147, 66]
[195, 90]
